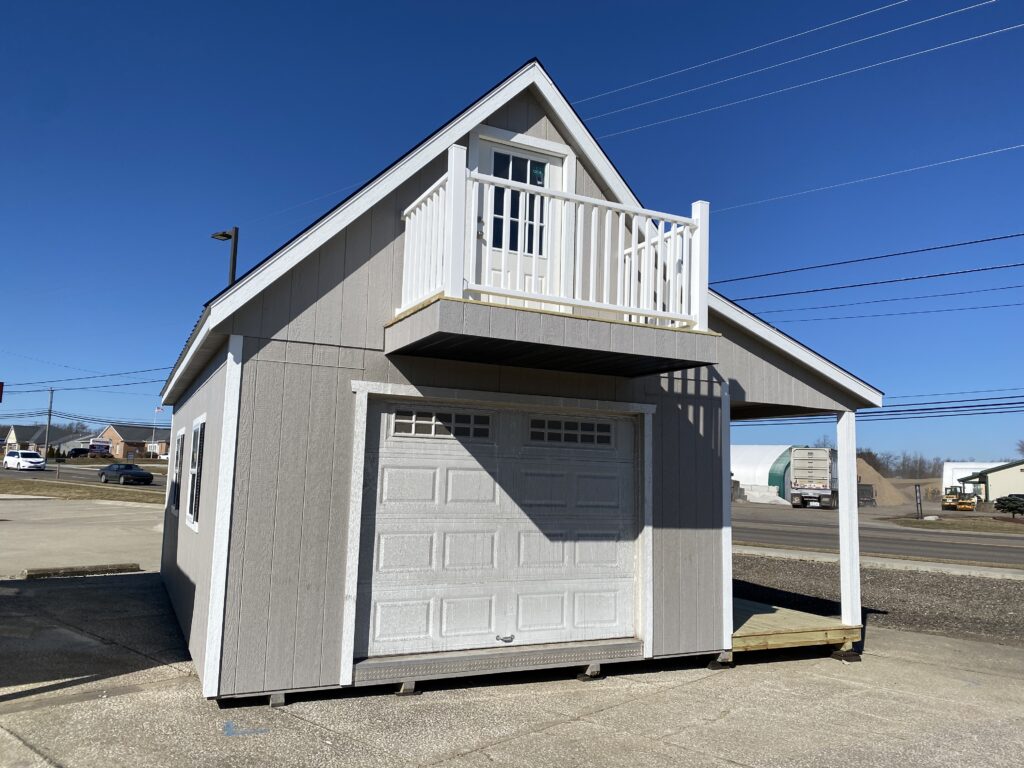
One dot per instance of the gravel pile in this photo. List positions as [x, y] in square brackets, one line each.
[969, 607]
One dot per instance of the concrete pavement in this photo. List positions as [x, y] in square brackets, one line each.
[95, 674]
[51, 533]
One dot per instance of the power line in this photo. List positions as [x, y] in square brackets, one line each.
[870, 178]
[738, 53]
[95, 376]
[961, 392]
[812, 82]
[883, 282]
[901, 314]
[982, 410]
[705, 86]
[863, 259]
[885, 301]
[98, 386]
[47, 362]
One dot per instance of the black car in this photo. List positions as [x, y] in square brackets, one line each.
[76, 453]
[125, 474]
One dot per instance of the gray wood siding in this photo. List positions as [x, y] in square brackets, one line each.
[759, 374]
[286, 564]
[186, 556]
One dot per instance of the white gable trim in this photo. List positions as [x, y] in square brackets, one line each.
[780, 341]
[319, 233]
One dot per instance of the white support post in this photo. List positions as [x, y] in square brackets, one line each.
[726, 450]
[700, 212]
[849, 541]
[455, 223]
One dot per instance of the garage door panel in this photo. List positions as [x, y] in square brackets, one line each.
[468, 542]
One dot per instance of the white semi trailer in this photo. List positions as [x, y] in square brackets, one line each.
[812, 478]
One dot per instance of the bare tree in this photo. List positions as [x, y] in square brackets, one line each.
[1020, 447]
[825, 441]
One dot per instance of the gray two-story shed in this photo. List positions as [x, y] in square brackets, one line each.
[473, 419]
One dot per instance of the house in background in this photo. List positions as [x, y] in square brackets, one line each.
[129, 441]
[476, 419]
[73, 440]
[33, 437]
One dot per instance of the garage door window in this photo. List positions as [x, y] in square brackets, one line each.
[442, 424]
[572, 431]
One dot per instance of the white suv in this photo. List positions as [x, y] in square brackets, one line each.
[24, 460]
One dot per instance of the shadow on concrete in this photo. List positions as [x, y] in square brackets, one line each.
[58, 634]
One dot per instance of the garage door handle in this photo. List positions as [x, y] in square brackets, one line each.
[506, 639]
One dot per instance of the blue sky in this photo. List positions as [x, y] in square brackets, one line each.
[131, 131]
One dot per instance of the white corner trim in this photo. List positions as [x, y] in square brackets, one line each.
[726, 451]
[532, 74]
[647, 537]
[849, 536]
[355, 518]
[780, 341]
[222, 518]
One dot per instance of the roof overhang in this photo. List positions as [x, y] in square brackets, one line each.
[792, 348]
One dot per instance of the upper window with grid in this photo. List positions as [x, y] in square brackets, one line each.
[442, 424]
[519, 221]
[571, 431]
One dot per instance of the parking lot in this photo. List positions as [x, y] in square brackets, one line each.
[83, 473]
[95, 673]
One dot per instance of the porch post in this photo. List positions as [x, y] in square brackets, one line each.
[700, 212]
[726, 451]
[849, 541]
[455, 223]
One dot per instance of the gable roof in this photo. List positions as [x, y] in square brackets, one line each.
[35, 433]
[572, 127]
[131, 433]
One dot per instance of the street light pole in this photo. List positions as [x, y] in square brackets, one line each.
[232, 235]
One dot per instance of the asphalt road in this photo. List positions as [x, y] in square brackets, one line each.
[778, 526]
[74, 474]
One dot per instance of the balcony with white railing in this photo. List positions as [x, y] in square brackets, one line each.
[515, 245]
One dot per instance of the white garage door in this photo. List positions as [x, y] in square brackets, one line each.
[488, 528]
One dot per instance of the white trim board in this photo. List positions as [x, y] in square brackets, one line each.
[364, 389]
[222, 518]
[264, 274]
[780, 341]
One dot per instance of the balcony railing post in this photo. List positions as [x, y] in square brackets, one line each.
[455, 223]
[700, 213]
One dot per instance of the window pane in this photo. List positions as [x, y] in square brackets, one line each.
[519, 169]
[513, 235]
[537, 173]
[501, 162]
[514, 208]
[463, 418]
[403, 428]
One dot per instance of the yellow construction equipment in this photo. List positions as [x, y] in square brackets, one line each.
[951, 497]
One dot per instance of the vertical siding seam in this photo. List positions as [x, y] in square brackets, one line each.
[273, 538]
[330, 519]
[248, 480]
[302, 519]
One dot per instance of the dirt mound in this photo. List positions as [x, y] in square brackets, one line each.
[886, 494]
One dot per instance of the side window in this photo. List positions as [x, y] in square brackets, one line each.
[179, 452]
[195, 471]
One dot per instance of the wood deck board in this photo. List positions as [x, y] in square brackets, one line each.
[759, 626]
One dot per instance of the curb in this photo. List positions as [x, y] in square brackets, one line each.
[79, 570]
[893, 564]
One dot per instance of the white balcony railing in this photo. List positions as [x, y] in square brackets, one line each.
[475, 236]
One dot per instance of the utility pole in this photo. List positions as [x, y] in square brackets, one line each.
[49, 417]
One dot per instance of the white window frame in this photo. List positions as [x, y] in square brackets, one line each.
[195, 473]
[176, 465]
[548, 150]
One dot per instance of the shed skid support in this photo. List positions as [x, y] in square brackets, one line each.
[722, 661]
[277, 700]
[592, 672]
[845, 652]
[408, 688]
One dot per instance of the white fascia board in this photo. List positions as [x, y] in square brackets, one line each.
[780, 341]
[262, 276]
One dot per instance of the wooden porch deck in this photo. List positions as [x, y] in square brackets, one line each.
[761, 627]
